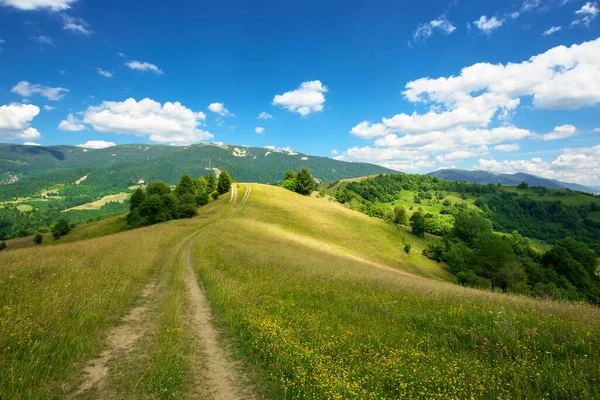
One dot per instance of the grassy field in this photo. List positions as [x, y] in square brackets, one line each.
[570, 198]
[315, 300]
[96, 205]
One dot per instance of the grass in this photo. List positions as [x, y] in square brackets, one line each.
[96, 205]
[570, 198]
[317, 322]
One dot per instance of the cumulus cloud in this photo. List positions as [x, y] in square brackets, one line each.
[560, 132]
[507, 147]
[169, 123]
[265, 115]
[76, 25]
[552, 30]
[144, 66]
[30, 5]
[26, 90]
[104, 73]
[334, 152]
[96, 144]
[71, 124]
[309, 97]
[259, 129]
[488, 25]
[573, 165]
[219, 108]
[426, 29]
[15, 122]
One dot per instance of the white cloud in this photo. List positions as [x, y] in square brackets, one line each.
[588, 13]
[552, 30]
[455, 156]
[169, 123]
[26, 89]
[265, 115]
[219, 108]
[597, 130]
[488, 25]
[43, 40]
[49, 108]
[31, 144]
[573, 165]
[334, 152]
[29, 5]
[15, 122]
[96, 144]
[104, 73]
[71, 124]
[259, 129]
[144, 66]
[76, 25]
[507, 147]
[307, 98]
[529, 5]
[367, 130]
[560, 132]
[425, 30]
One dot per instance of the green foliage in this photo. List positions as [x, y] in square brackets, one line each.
[322, 192]
[289, 174]
[523, 185]
[400, 215]
[185, 186]
[61, 228]
[469, 225]
[407, 248]
[211, 182]
[2, 245]
[214, 195]
[305, 183]
[417, 224]
[157, 188]
[38, 238]
[224, 184]
[137, 198]
[289, 184]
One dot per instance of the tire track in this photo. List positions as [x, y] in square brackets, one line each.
[222, 371]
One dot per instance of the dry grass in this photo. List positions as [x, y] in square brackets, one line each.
[96, 205]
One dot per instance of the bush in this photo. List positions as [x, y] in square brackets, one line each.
[417, 224]
[202, 198]
[399, 215]
[2, 245]
[61, 228]
[38, 239]
[214, 195]
[407, 248]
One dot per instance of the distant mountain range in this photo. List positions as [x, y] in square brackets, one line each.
[484, 177]
[27, 170]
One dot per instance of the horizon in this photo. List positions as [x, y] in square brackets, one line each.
[507, 87]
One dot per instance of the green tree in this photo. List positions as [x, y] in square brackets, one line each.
[211, 181]
[224, 184]
[157, 188]
[469, 225]
[136, 199]
[289, 174]
[399, 215]
[185, 186]
[214, 195]
[417, 224]
[202, 185]
[290, 184]
[305, 183]
[61, 228]
[38, 238]
[523, 185]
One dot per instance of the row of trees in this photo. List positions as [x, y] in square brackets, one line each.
[158, 203]
[301, 182]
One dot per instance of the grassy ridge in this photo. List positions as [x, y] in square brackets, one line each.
[320, 323]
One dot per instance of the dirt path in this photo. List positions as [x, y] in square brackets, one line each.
[233, 197]
[224, 380]
[120, 338]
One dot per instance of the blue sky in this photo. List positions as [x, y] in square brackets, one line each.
[414, 87]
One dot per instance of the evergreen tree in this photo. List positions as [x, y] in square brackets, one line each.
[289, 175]
[185, 186]
[417, 224]
[211, 181]
[305, 183]
[224, 184]
[136, 199]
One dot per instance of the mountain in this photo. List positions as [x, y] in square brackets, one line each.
[27, 170]
[483, 177]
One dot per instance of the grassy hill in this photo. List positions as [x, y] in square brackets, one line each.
[312, 299]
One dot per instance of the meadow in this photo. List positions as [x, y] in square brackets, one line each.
[314, 300]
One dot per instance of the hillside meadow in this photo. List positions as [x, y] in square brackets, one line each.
[313, 299]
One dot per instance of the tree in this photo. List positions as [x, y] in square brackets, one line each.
[290, 184]
[305, 183]
[211, 182]
[157, 188]
[523, 185]
[224, 184]
[469, 225]
[289, 174]
[185, 186]
[417, 224]
[61, 228]
[202, 185]
[38, 238]
[399, 215]
[136, 199]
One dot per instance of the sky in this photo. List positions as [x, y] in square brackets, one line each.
[505, 86]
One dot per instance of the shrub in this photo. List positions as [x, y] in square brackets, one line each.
[399, 215]
[38, 238]
[417, 224]
[61, 228]
[214, 195]
[407, 248]
[2, 245]
[305, 183]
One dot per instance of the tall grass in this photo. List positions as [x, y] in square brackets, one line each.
[317, 323]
